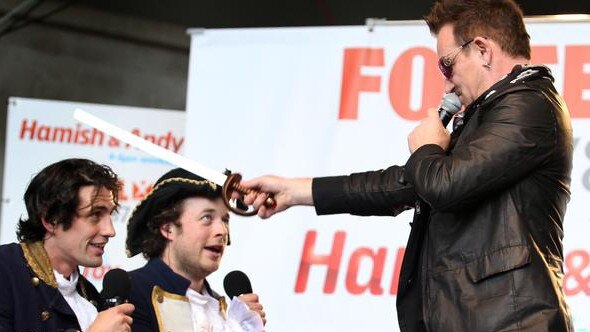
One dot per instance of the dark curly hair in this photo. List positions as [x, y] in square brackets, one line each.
[52, 195]
[499, 20]
[154, 243]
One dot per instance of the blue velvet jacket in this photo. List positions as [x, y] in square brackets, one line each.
[143, 281]
[29, 298]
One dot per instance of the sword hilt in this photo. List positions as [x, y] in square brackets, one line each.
[232, 183]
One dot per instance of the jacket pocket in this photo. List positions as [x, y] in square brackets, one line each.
[498, 261]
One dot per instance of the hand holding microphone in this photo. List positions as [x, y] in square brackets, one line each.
[116, 286]
[449, 106]
[431, 129]
[236, 283]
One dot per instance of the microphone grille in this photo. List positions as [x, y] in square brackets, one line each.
[116, 283]
[236, 283]
[451, 103]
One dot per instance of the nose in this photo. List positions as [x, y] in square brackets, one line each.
[220, 228]
[107, 229]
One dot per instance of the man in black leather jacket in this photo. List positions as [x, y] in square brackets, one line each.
[485, 250]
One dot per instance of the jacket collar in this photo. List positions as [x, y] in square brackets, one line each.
[38, 260]
[171, 281]
[515, 79]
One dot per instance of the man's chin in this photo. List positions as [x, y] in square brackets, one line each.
[96, 262]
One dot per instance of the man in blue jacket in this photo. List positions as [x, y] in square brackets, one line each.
[182, 227]
[69, 206]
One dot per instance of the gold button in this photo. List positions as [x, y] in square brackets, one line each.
[45, 315]
[160, 298]
[35, 281]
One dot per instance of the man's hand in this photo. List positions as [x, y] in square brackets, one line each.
[251, 301]
[287, 193]
[429, 131]
[115, 319]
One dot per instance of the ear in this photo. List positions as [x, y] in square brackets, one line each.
[484, 48]
[49, 227]
[166, 231]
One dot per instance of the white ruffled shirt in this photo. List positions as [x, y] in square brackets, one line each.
[207, 316]
[85, 312]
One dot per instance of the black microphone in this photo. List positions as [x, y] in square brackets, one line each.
[116, 286]
[449, 105]
[236, 283]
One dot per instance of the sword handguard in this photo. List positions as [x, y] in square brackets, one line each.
[232, 183]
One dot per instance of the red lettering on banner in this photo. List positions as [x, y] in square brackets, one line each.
[167, 141]
[141, 189]
[400, 81]
[333, 260]
[308, 258]
[399, 258]
[575, 282]
[374, 285]
[546, 55]
[576, 80]
[135, 191]
[35, 131]
[352, 80]
[577, 262]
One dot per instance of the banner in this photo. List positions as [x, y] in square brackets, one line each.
[41, 132]
[302, 102]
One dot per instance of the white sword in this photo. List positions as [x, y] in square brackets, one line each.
[171, 157]
[149, 147]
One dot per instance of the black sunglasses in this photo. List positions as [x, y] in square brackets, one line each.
[446, 62]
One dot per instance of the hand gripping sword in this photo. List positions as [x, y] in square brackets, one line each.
[228, 181]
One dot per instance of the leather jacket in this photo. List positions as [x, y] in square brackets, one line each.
[485, 250]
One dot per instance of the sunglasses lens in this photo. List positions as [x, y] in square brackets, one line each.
[447, 71]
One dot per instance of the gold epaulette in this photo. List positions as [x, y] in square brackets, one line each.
[38, 261]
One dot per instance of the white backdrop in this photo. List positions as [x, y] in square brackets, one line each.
[40, 132]
[330, 101]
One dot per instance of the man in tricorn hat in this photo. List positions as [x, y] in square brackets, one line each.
[182, 228]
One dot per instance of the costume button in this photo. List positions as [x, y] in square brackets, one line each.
[45, 315]
[160, 298]
[35, 281]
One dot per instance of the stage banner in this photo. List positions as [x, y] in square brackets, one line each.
[41, 132]
[319, 101]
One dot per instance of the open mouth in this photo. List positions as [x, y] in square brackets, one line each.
[218, 249]
[100, 245]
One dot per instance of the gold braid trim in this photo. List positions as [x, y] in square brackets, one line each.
[158, 295]
[38, 261]
[222, 307]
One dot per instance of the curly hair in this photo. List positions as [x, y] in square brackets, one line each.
[499, 20]
[52, 195]
[154, 243]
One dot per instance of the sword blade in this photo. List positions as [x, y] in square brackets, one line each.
[149, 147]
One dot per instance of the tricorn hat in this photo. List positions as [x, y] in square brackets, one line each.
[171, 188]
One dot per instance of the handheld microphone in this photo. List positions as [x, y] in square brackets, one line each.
[116, 286]
[449, 105]
[236, 283]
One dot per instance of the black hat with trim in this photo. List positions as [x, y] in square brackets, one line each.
[171, 188]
